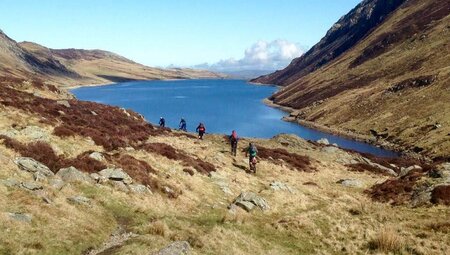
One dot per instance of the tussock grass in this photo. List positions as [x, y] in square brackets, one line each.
[387, 240]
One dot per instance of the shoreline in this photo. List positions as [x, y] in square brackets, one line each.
[403, 152]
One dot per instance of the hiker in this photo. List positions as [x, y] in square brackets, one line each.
[183, 125]
[252, 151]
[234, 141]
[201, 130]
[162, 122]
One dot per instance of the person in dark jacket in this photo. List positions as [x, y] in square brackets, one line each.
[162, 122]
[183, 125]
[234, 141]
[201, 130]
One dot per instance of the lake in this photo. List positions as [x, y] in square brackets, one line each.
[222, 105]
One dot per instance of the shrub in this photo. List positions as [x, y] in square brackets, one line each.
[174, 154]
[298, 162]
[139, 170]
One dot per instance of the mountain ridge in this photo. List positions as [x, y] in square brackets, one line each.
[358, 92]
[73, 67]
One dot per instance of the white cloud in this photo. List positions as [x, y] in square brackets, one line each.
[261, 55]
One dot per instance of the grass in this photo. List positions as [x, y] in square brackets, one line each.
[387, 241]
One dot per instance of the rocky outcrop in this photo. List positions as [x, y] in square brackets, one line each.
[32, 166]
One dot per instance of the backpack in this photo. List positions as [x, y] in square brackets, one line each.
[253, 151]
[201, 129]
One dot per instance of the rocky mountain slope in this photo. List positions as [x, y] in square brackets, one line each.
[85, 178]
[380, 73]
[68, 67]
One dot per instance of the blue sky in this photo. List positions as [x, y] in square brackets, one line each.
[164, 32]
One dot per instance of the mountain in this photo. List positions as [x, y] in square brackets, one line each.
[70, 67]
[381, 73]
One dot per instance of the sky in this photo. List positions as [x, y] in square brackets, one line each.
[226, 34]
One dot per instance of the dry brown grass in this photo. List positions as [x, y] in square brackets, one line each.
[387, 241]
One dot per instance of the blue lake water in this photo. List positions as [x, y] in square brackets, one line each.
[222, 105]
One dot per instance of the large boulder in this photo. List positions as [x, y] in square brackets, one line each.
[32, 166]
[115, 174]
[175, 248]
[248, 200]
[71, 174]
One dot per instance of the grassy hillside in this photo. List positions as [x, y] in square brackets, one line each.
[320, 199]
[390, 87]
[71, 67]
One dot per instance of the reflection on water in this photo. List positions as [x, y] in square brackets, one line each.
[223, 105]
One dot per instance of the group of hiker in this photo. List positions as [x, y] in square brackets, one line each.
[251, 151]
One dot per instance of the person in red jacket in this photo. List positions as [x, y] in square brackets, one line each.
[201, 130]
[234, 141]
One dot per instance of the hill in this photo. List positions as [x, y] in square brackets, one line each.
[381, 73]
[70, 67]
[85, 178]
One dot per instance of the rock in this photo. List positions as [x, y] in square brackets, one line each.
[276, 185]
[98, 178]
[79, 200]
[330, 149]
[129, 149]
[323, 141]
[115, 174]
[248, 206]
[335, 144]
[10, 182]
[94, 113]
[9, 133]
[64, 103]
[71, 174]
[39, 176]
[405, 171]
[369, 162]
[119, 185]
[350, 183]
[421, 198]
[32, 166]
[245, 198]
[31, 185]
[23, 217]
[139, 188]
[175, 248]
[97, 156]
[34, 133]
[56, 183]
